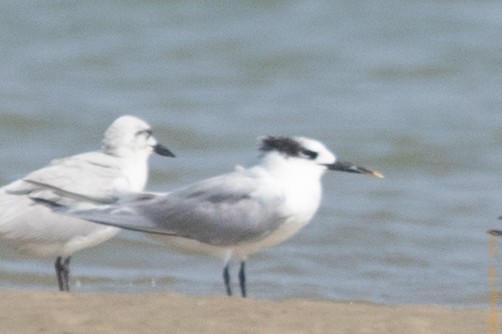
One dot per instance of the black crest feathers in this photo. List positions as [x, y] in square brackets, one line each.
[285, 145]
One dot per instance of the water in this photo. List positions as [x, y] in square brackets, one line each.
[408, 88]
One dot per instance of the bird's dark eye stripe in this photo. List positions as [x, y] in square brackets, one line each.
[310, 154]
[147, 133]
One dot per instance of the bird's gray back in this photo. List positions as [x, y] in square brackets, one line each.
[227, 209]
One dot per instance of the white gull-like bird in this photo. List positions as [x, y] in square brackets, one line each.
[121, 166]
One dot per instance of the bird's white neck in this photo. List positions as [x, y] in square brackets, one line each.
[300, 179]
[135, 171]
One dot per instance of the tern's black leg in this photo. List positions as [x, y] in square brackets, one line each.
[59, 270]
[63, 273]
[226, 279]
[66, 273]
[242, 278]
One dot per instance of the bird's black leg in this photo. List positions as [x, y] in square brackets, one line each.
[242, 278]
[63, 273]
[59, 270]
[66, 274]
[226, 279]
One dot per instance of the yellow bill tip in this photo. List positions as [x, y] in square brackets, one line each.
[377, 174]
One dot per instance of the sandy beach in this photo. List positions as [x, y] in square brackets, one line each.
[53, 312]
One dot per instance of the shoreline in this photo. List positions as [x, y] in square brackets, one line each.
[55, 312]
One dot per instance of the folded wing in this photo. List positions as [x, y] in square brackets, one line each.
[224, 210]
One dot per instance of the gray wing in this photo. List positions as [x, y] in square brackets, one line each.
[224, 210]
[86, 177]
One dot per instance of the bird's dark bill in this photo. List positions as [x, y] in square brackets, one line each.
[162, 150]
[351, 168]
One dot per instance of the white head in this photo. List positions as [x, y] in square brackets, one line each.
[309, 153]
[130, 136]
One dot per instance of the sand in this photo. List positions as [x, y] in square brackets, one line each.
[48, 312]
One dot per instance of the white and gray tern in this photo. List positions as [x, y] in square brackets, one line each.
[233, 215]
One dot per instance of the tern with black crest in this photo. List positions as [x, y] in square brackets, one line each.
[233, 215]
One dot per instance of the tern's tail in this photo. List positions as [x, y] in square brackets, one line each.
[122, 215]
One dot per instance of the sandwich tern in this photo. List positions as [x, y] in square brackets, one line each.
[120, 166]
[233, 215]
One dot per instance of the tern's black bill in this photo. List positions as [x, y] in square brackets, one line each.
[162, 150]
[351, 168]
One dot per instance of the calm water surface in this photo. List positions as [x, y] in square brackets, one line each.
[408, 88]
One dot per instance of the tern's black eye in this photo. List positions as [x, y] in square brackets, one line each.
[309, 154]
